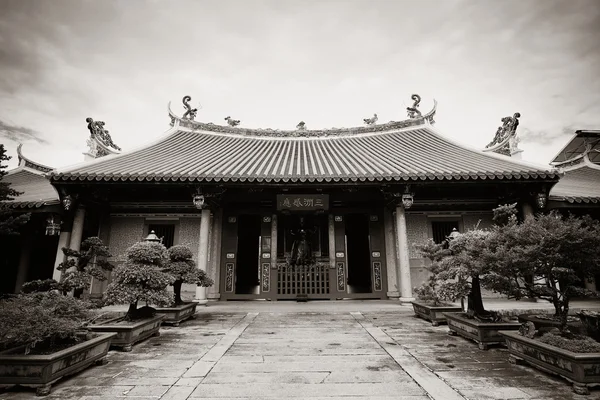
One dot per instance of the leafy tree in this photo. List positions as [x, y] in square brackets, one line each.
[83, 265]
[560, 252]
[141, 278]
[429, 291]
[183, 269]
[9, 220]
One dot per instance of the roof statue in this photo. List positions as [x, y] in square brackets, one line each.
[100, 143]
[505, 141]
[301, 126]
[190, 112]
[413, 111]
[371, 121]
[232, 122]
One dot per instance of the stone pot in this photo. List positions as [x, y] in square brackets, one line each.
[581, 369]
[434, 314]
[41, 371]
[484, 333]
[177, 314]
[129, 333]
[547, 324]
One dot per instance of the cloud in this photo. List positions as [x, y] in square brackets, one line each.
[20, 133]
[545, 137]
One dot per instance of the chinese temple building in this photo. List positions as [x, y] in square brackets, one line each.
[317, 214]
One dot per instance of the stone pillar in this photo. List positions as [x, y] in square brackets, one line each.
[212, 292]
[26, 249]
[203, 253]
[63, 241]
[274, 241]
[404, 260]
[390, 255]
[77, 232]
[331, 232]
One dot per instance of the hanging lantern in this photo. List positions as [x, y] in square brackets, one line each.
[53, 225]
[198, 201]
[67, 201]
[540, 200]
[152, 238]
[407, 200]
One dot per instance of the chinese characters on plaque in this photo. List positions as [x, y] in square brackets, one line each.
[302, 202]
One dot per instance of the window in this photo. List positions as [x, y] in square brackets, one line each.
[441, 229]
[164, 231]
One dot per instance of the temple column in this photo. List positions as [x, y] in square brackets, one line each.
[63, 241]
[203, 253]
[390, 255]
[274, 241]
[527, 210]
[77, 231]
[26, 249]
[331, 233]
[404, 261]
[214, 260]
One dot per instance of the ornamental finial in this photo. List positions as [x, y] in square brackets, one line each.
[98, 132]
[232, 122]
[505, 141]
[190, 112]
[413, 112]
[371, 121]
[301, 126]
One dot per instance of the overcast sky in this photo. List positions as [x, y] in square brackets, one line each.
[274, 63]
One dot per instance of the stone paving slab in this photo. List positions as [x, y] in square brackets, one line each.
[356, 350]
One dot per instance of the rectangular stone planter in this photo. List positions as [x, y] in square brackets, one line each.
[131, 333]
[175, 315]
[434, 314]
[581, 369]
[41, 371]
[484, 333]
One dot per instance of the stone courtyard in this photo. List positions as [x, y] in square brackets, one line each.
[317, 350]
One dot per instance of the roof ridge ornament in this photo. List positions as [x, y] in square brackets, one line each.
[505, 141]
[100, 142]
[413, 112]
[371, 121]
[232, 122]
[190, 112]
[301, 126]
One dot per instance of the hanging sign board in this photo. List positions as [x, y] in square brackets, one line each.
[303, 202]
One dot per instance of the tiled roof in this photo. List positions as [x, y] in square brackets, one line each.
[580, 185]
[36, 188]
[200, 155]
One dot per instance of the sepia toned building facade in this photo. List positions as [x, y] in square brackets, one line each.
[317, 214]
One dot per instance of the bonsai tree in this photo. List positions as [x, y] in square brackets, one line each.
[9, 221]
[141, 278]
[43, 317]
[560, 252]
[83, 265]
[183, 269]
[429, 291]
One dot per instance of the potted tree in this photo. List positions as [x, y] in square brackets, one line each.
[430, 304]
[43, 338]
[140, 278]
[464, 271]
[82, 265]
[182, 268]
[560, 252]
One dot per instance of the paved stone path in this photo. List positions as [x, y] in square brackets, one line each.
[288, 351]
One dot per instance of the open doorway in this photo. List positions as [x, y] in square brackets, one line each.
[358, 253]
[247, 274]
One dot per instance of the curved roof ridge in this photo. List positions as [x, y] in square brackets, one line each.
[25, 162]
[425, 119]
[497, 156]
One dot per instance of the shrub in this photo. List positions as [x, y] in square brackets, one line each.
[429, 291]
[140, 278]
[40, 285]
[183, 269]
[29, 319]
[574, 343]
